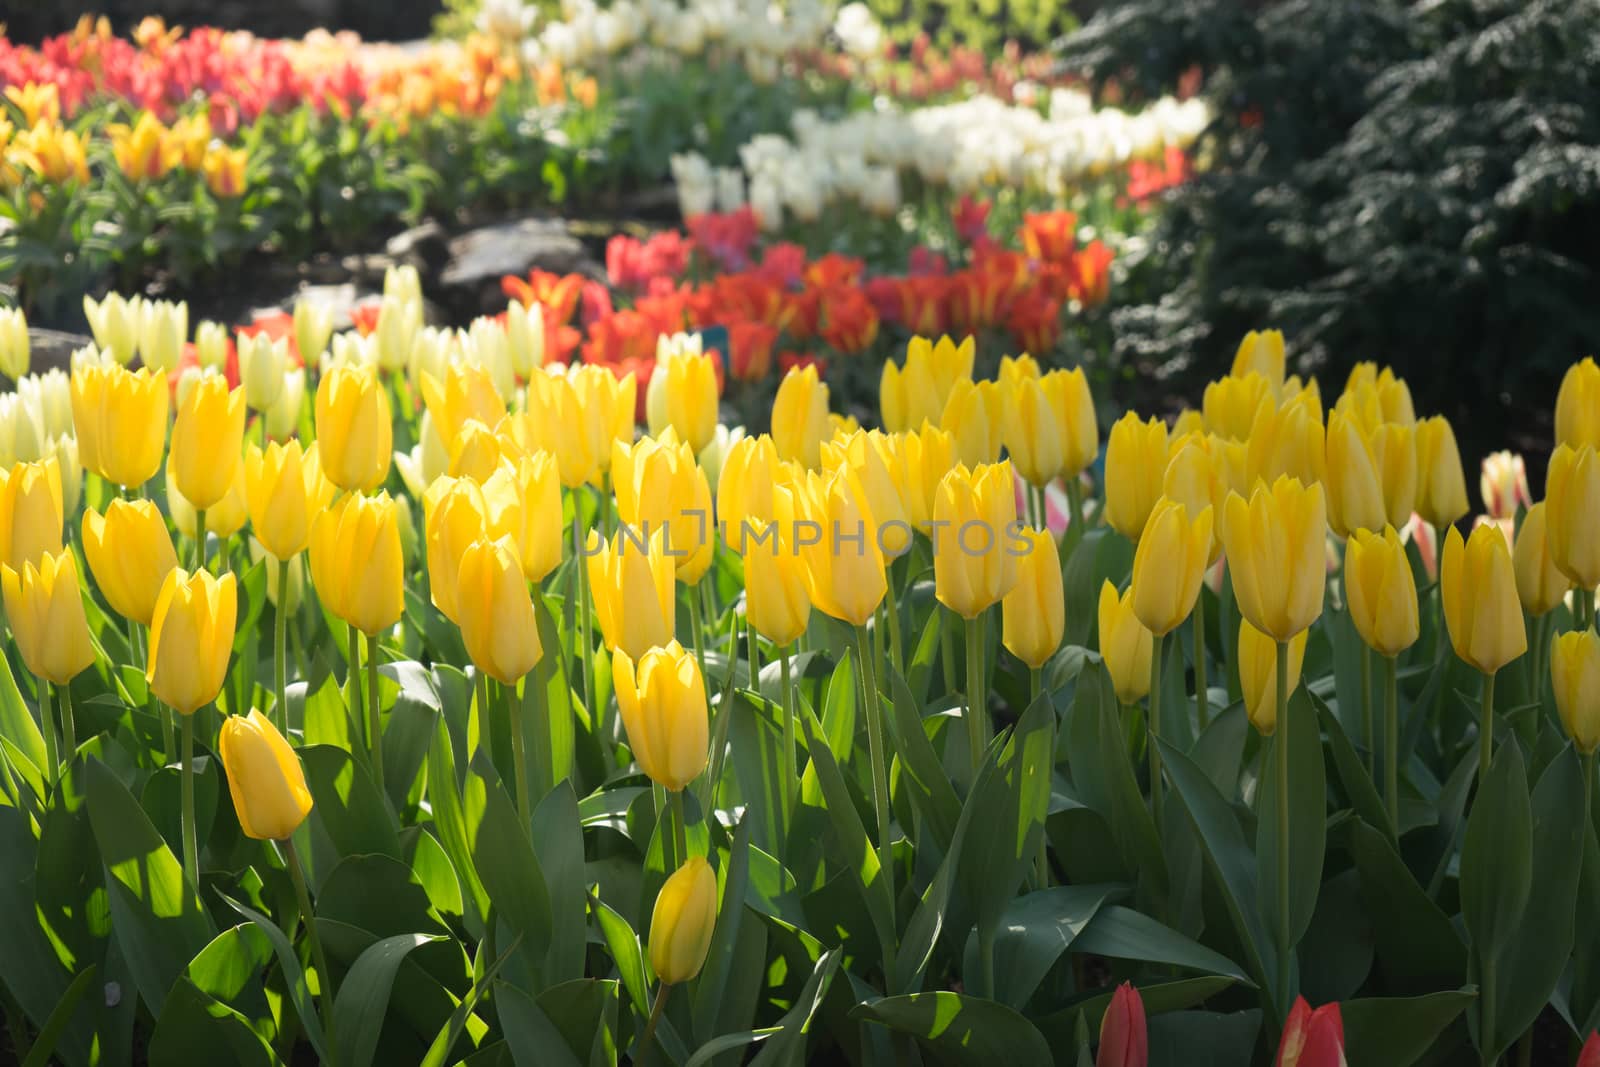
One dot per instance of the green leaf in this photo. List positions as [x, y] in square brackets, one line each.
[788, 1046]
[929, 920]
[959, 1029]
[709, 1051]
[17, 724]
[1353, 776]
[44, 1044]
[1035, 930]
[1203, 1038]
[558, 842]
[197, 1028]
[457, 809]
[1497, 855]
[348, 804]
[584, 1012]
[439, 1050]
[1308, 807]
[626, 953]
[294, 976]
[1417, 946]
[1159, 998]
[922, 773]
[533, 1039]
[711, 987]
[363, 999]
[1397, 1031]
[229, 970]
[510, 871]
[1122, 933]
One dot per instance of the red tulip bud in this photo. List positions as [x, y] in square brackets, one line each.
[1312, 1038]
[1590, 1056]
[1123, 1039]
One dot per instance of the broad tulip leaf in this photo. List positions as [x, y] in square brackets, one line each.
[348, 804]
[196, 1028]
[1036, 929]
[558, 842]
[922, 774]
[1353, 777]
[1308, 807]
[1497, 856]
[1399, 1030]
[510, 871]
[531, 1036]
[787, 1047]
[439, 1051]
[456, 812]
[1126, 934]
[1417, 946]
[711, 987]
[363, 1000]
[294, 975]
[50, 1034]
[17, 724]
[584, 1013]
[959, 1029]
[229, 970]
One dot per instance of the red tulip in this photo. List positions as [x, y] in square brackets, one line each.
[1312, 1038]
[1590, 1056]
[1124, 1041]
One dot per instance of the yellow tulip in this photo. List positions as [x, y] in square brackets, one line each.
[355, 438]
[115, 322]
[44, 608]
[1198, 477]
[31, 512]
[576, 415]
[928, 454]
[1033, 614]
[1136, 462]
[745, 491]
[1261, 352]
[1441, 483]
[633, 589]
[1572, 493]
[1257, 655]
[1014, 370]
[1479, 589]
[800, 416]
[1287, 440]
[1125, 645]
[1277, 552]
[1578, 405]
[777, 598]
[974, 414]
[871, 458]
[1372, 397]
[1381, 591]
[1540, 584]
[662, 700]
[265, 778]
[1050, 429]
[120, 419]
[1394, 451]
[917, 392]
[357, 563]
[191, 637]
[130, 555]
[223, 519]
[683, 920]
[455, 514]
[263, 365]
[498, 624]
[843, 561]
[683, 394]
[206, 441]
[522, 501]
[1354, 486]
[1231, 405]
[1575, 674]
[313, 328]
[976, 538]
[467, 392]
[1169, 563]
[660, 487]
[1503, 483]
[284, 490]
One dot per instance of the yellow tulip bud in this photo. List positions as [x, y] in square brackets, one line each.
[1014, 370]
[846, 567]
[1540, 584]
[1276, 544]
[1578, 406]
[1257, 655]
[929, 453]
[1373, 398]
[120, 420]
[283, 418]
[130, 555]
[15, 347]
[1231, 405]
[1479, 589]
[1575, 677]
[466, 393]
[974, 414]
[777, 597]
[660, 487]
[44, 608]
[1355, 491]
[477, 452]
[800, 416]
[263, 363]
[498, 624]
[1033, 614]
[265, 778]
[284, 490]
[1198, 477]
[163, 328]
[1287, 441]
[1441, 482]
[745, 491]
[975, 547]
[354, 433]
[357, 564]
[191, 638]
[684, 918]
[662, 700]
[206, 441]
[870, 459]
[115, 322]
[918, 392]
[223, 519]
[1136, 462]
[1125, 645]
[576, 416]
[683, 394]
[455, 514]
[32, 510]
[1261, 352]
[632, 583]
[522, 501]
[313, 328]
[1572, 493]
[1381, 591]
[1169, 563]
[1050, 429]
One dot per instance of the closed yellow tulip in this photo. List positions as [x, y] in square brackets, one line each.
[1479, 589]
[44, 608]
[974, 413]
[1441, 482]
[1199, 476]
[1261, 352]
[522, 501]
[1578, 405]
[1372, 397]
[223, 519]
[130, 555]
[1287, 441]
[659, 486]
[745, 491]
[1276, 544]
[928, 454]
[916, 393]
[1572, 514]
[1169, 564]
[844, 564]
[1014, 370]
[1050, 430]
[1540, 584]
[1575, 674]
[357, 563]
[633, 588]
[265, 778]
[1381, 591]
[1136, 462]
[466, 393]
[284, 491]
[1125, 645]
[1394, 451]
[498, 624]
[683, 920]
[355, 437]
[120, 419]
[662, 699]
[1257, 655]
[455, 514]
[800, 416]
[776, 586]
[575, 415]
[1033, 614]
[683, 394]
[1231, 405]
[206, 441]
[477, 451]
[31, 512]
[191, 637]
[1355, 489]
[871, 459]
[975, 547]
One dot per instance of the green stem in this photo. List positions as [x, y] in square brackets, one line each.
[374, 714]
[1281, 747]
[200, 539]
[790, 775]
[1153, 727]
[308, 917]
[352, 678]
[480, 684]
[650, 1026]
[892, 610]
[47, 726]
[191, 844]
[753, 655]
[280, 650]
[977, 694]
[163, 716]
[519, 758]
[1391, 743]
[69, 725]
[1202, 698]
[1035, 687]
[695, 620]
[947, 653]
[586, 625]
[719, 732]
[880, 779]
[680, 826]
[1369, 738]
[1486, 730]
[1074, 499]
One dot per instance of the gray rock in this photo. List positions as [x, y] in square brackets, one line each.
[52, 348]
[470, 283]
[426, 247]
